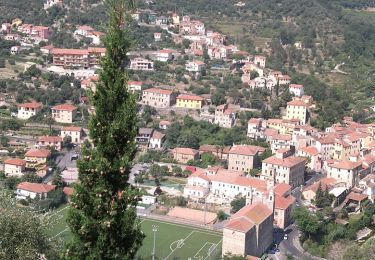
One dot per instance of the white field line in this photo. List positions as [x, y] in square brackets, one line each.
[213, 249]
[57, 212]
[167, 257]
[207, 243]
[60, 232]
[186, 226]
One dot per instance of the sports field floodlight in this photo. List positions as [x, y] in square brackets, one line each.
[154, 229]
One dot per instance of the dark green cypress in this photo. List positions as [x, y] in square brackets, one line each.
[103, 216]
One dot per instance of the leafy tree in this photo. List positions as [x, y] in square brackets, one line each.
[307, 222]
[11, 182]
[237, 203]
[4, 140]
[31, 177]
[221, 215]
[181, 201]
[67, 141]
[57, 178]
[22, 233]
[103, 217]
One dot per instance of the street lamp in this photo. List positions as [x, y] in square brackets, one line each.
[154, 229]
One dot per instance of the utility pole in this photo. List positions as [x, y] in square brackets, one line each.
[154, 229]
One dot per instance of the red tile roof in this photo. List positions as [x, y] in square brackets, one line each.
[36, 187]
[47, 138]
[31, 105]
[57, 51]
[40, 153]
[311, 150]
[96, 50]
[282, 188]
[246, 150]
[15, 161]
[236, 178]
[72, 128]
[157, 135]
[65, 107]
[190, 97]
[182, 150]
[284, 202]
[345, 165]
[248, 217]
[255, 120]
[158, 91]
[296, 102]
[288, 162]
[138, 83]
[356, 196]
[68, 191]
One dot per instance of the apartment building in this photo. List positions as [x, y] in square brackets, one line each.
[157, 97]
[244, 157]
[345, 172]
[37, 158]
[141, 64]
[289, 170]
[78, 58]
[225, 116]
[42, 32]
[64, 113]
[27, 110]
[296, 109]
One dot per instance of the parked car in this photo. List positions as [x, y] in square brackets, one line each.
[286, 236]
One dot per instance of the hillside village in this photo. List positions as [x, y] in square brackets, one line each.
[202, 146]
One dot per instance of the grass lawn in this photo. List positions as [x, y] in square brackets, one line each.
[173, 241]
[59, 228]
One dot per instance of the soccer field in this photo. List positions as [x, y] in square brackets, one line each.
[59, 228]
[173, 241]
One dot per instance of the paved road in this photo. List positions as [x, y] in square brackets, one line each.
[64, 161]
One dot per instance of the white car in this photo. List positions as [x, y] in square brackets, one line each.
[286, 236]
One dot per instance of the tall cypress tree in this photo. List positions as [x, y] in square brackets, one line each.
[103, 216]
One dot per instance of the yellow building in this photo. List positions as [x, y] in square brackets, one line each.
[36, 158]
[296, 109]
[189, 101]
[283, 126]
[16, 22]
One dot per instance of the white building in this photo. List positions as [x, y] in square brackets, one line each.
[260, 61]
[75, 133]
[32, 190]
[296, 90]
[254, 128]
[14, 167]
[27, 110]
[157, 140]
[134, 86]
[164, 55]
[141, 64]
[346, 172]
[195, 66]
